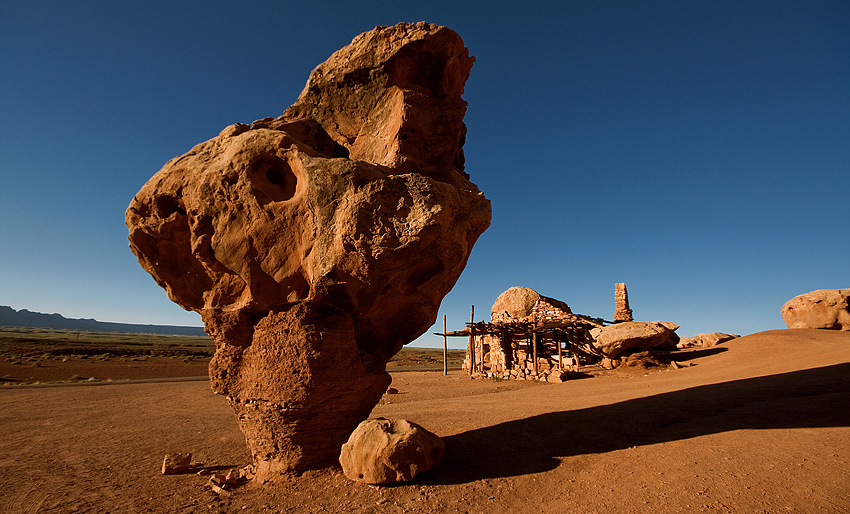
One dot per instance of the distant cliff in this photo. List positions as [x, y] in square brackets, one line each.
[9, 317]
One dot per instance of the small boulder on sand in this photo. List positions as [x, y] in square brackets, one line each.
[177, 463]
[381, 451]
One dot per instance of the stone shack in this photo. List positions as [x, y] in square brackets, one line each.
[529, 336]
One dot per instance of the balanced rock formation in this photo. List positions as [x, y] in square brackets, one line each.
[381, 451]
[316, 244]
[824, 308]
[611, 341]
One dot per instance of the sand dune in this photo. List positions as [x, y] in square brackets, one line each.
[759, 424]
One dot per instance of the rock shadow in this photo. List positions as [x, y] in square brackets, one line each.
[818, 397]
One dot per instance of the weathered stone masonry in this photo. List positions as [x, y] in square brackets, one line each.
[622, 311]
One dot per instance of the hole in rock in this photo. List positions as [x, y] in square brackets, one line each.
[274, 181]
[276, 176]
[168, 205]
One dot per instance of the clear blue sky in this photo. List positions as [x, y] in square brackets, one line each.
[697, 151]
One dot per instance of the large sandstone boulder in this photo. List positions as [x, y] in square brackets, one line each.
[611, 341]
[381, 451]
[316, 244]
[824, 308]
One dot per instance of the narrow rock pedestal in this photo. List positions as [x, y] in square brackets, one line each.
[299, 387]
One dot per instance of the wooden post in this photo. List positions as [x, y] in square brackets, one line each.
[445, 349]
[560, 355]
[534, 349]
[471, 341]
[482, 355]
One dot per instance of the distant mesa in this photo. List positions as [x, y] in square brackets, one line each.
[823, 308]
[10, 317]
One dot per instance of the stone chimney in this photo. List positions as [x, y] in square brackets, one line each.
[621, 303]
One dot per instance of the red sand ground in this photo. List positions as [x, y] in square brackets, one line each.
[760, 424]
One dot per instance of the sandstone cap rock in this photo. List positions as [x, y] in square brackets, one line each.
[518, 302]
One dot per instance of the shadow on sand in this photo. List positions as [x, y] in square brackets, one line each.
[817, 397]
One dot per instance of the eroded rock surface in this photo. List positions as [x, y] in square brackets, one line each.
[382, 451]
[316, 244]
[824, 308]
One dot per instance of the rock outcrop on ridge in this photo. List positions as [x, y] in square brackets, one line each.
[824, 308]
[316, 244]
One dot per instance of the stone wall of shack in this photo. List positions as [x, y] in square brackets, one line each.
[497, 360]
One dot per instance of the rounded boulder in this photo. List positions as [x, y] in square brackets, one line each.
[382, 451]
[824, 308]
